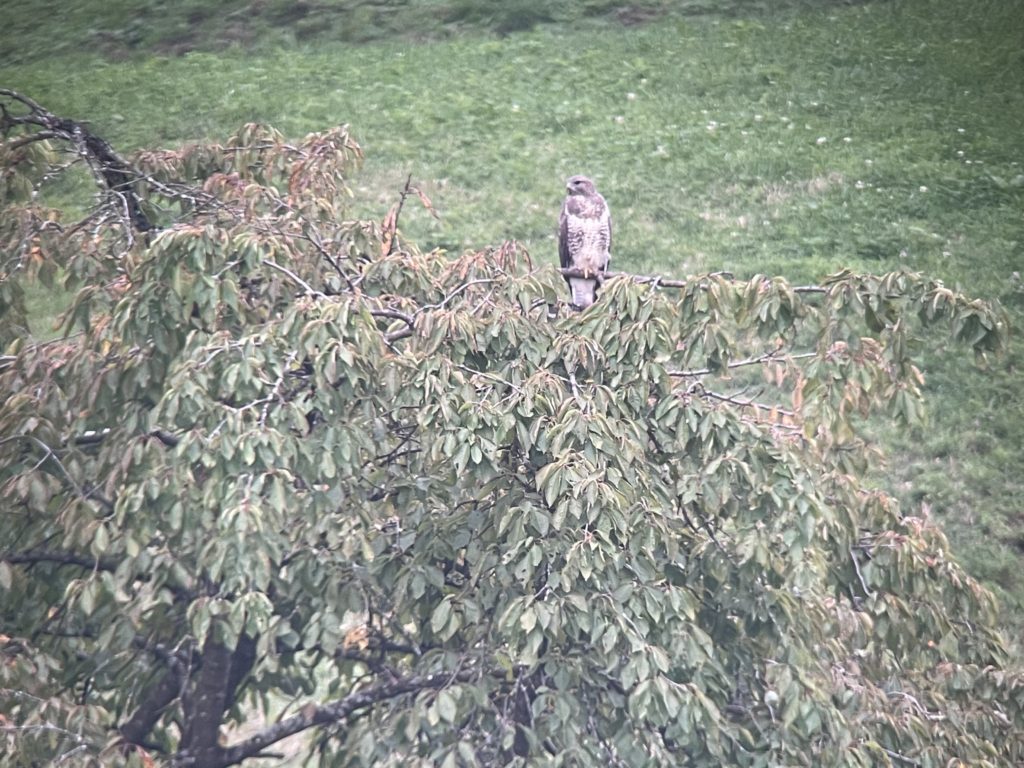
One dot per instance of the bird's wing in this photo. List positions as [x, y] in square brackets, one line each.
[608, 219]
[564, 257]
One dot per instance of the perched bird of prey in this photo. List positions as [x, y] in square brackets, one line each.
[584, 238]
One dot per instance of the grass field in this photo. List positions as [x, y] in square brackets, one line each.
[789, 138]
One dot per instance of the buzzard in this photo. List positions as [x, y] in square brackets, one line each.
[584, 238]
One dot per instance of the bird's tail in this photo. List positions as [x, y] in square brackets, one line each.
[584, 291]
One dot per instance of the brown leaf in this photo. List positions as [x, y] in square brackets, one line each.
[390, 227]
[425, 200]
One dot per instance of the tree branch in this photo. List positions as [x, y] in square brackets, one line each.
[136, 728]
[118, 177]
[335, 711]
[390, 225]
[748, 403]
[295, 278]
[767, 357]
[204, 707]
[31, 557]
[89, 494]
[394, 314]
[658, 281]
[159, 696]
[60, 557]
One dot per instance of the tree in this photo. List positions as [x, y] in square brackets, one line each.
[282, 459]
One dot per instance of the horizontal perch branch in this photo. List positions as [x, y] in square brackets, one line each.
[664, 282]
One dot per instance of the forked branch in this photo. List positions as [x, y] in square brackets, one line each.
[118, 177]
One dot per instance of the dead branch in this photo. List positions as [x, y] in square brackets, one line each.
[390, 224]
[117, 175]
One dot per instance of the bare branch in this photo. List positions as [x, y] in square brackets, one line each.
[153, 704]
[33, 556]
[465, 286]
[658, 281]
[31, 138]
[205, 705]
[768, 357]
[860, 576]
[89, 494]
[117, 176]
[410, 320]
[335, 711]
[169, 440]
[295, 278]
[734, 399]
[390, 225]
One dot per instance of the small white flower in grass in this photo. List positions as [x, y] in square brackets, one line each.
[858, 184]
[758, 118]
[961, 130]
[869, 161]
[959, 153]
[515, 107]
[821, 140]
[711, 125]
[847, 139]
[922, 188]
[619, 119]
[630, 96]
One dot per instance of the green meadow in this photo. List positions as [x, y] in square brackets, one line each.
[789, 138]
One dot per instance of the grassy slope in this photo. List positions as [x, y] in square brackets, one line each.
[793, 141]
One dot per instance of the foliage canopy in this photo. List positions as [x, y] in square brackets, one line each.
[283, 456]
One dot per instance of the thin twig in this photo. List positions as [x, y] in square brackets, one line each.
[306, 286]
[767, 357]
[49, 453]
[749, 403]
[860, 576]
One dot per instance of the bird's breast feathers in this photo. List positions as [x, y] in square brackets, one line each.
[587, 232]
[586, 207]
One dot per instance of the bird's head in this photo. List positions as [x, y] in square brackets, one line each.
[580, 185]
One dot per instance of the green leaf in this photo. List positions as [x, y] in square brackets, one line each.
[446, 706]
[441, 616]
